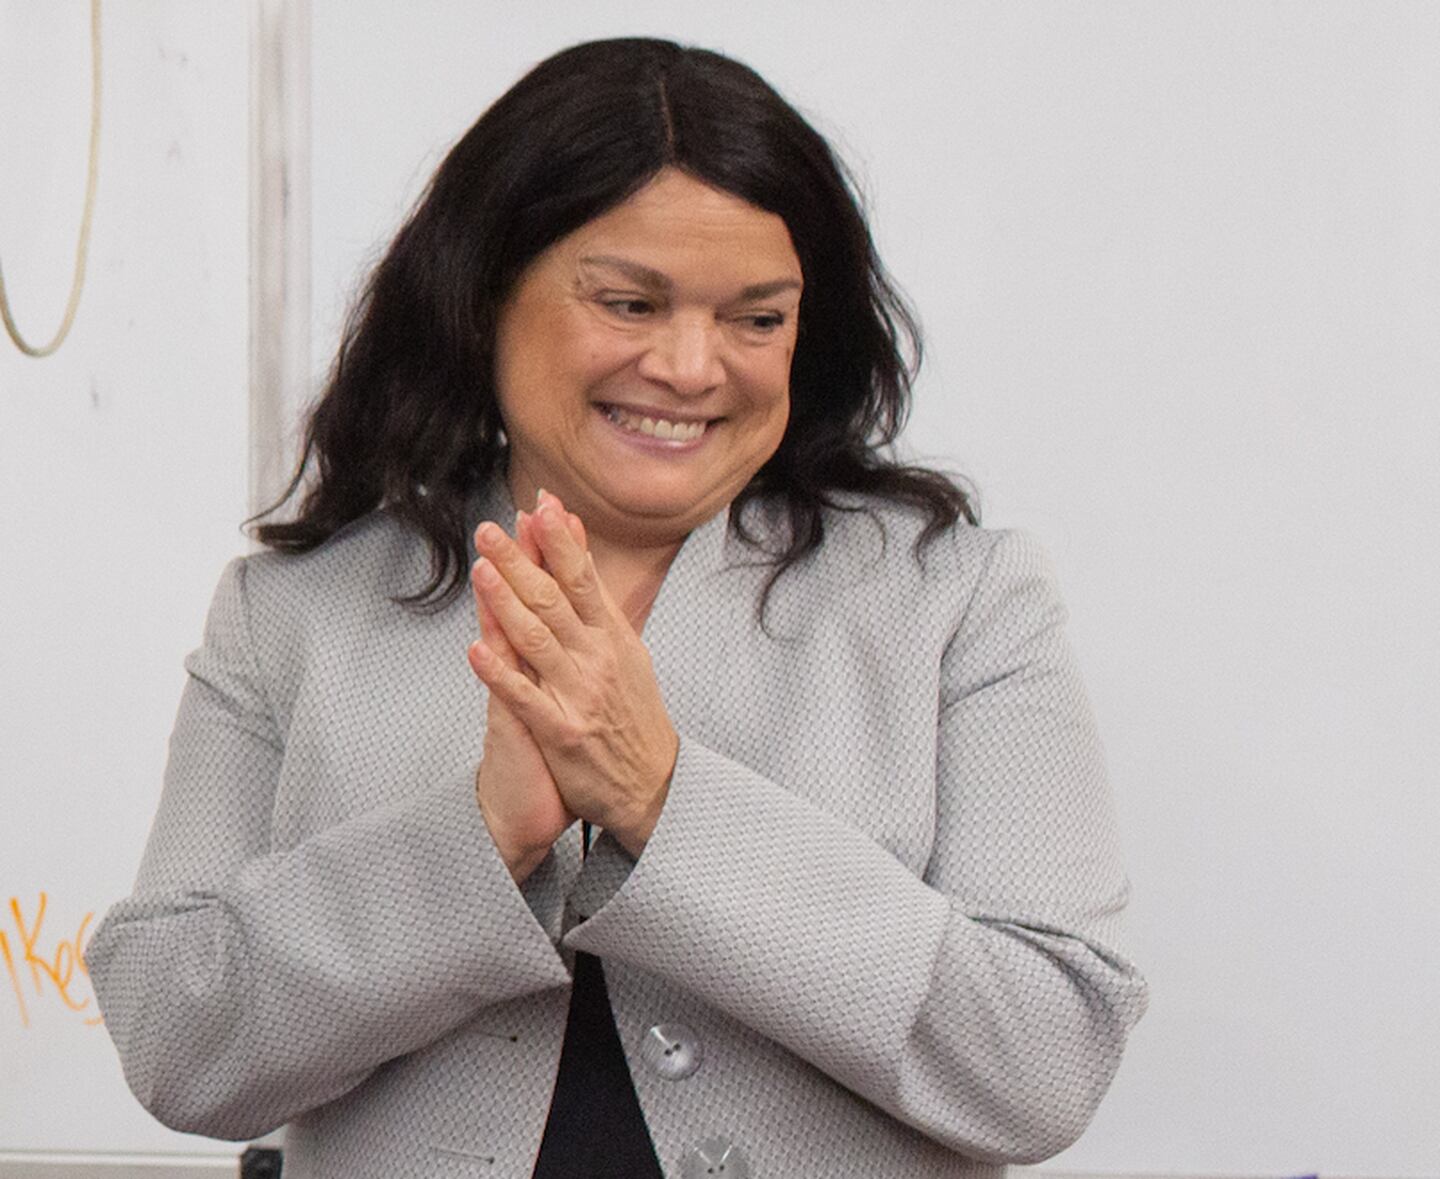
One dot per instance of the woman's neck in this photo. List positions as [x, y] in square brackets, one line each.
[633, 575]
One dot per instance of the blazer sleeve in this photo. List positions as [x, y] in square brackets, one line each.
[243, 985]
[987, 1004]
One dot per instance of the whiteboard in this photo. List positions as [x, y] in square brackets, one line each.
[1180, 277]
[1179, 269]
[123, 479]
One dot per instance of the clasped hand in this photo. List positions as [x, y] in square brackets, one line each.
[576, 727]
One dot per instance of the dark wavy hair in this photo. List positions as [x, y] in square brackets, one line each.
[409, 419]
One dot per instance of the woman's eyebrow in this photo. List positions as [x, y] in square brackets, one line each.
[656, 281]
[636, 273]
[763, 290]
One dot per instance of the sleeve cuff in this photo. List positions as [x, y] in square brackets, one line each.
[753, 897]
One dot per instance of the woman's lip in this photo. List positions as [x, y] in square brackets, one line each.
[649, 441]
[646, 411]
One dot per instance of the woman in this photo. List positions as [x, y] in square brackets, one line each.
[853, 904]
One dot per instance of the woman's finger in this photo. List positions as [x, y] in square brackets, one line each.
[568, 560]
[533, 586]
[494, 635]
[528, 634]
[577, 530]
[525, 537]
[490, 627]
[513, 688]
[525, 534]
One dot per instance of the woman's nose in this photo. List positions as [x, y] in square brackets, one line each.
[685, 355]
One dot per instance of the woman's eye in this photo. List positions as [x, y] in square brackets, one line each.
[629, 308]
[764, 322]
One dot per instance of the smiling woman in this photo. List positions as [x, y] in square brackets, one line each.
[854, 907]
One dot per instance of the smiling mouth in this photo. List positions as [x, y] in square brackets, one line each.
[666, 429]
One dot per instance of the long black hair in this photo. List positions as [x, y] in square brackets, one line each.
[409, 420]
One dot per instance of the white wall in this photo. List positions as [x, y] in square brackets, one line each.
[1180, 271]
[122, 483]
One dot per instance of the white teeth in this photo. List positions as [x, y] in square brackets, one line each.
[661, 428]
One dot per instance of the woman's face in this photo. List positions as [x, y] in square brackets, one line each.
[643, 362]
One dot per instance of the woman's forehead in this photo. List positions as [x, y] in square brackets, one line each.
[678, 228]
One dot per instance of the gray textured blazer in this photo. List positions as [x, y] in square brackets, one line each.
[875, 932]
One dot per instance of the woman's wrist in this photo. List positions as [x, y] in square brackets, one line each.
[520, 858]
[521, 861]
[522, 864]
[635, 834]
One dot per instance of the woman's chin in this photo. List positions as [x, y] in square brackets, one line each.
[654, 512]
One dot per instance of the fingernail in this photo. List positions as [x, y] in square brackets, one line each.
[540, 496]
[490, 532]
